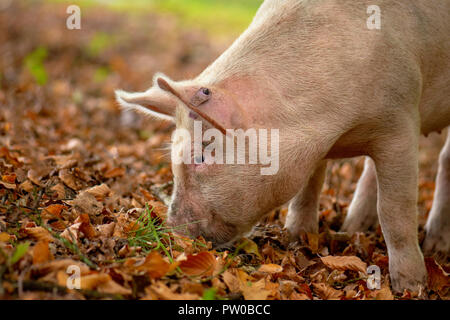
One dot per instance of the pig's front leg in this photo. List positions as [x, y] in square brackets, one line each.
[362, 213]
[396, 159]
[303, 209]
[438, 224]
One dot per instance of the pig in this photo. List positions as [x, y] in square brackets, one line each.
[334, 88]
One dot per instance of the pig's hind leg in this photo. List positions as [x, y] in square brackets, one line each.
[303, 209]
[438, 224]
[362, 213]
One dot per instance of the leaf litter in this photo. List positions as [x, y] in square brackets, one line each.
[85, 186]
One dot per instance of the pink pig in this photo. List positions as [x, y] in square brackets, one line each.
[334, 88]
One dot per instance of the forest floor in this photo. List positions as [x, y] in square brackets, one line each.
[83, 187]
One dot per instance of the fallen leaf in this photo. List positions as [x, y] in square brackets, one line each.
[52, 211]
[4, 237]
[270, 268]
[114, 173]
[39, 233]
[41, 252]
[100, 192]
[161, 291]
[11, 186]
[71, 233]
[154, 265]
[91, 281]
[344, 263]
[86, 227]
[438, 279]
[70, 180]
[326, 292]
[113, 287]
[202, 263]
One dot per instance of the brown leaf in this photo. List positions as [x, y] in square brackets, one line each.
[85, 203]
[154, 265]
[160, 291]
[59, 190]
[11, 186]
[86, 227]
[270, 268]
[113, 287]
[255, 290]
[41, 252]
[26, 186]
[438, 279]
[71, 233]
[92, 281]
[114, 173]
[231, 281]
[202, 263]
[100, 192]
[106, 230]
[4, 237]
[326, 292]
[344, 263]
[39, 233]
[52, 211]
[70, 180]
[62, 264]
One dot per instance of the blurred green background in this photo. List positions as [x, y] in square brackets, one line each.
[216, 16]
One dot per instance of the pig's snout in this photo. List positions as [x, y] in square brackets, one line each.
[183, 222]
[189, 222]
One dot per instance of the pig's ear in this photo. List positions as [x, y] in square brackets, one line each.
[154, 102]
[213, 105]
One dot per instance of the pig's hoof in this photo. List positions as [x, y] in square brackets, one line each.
[298, 231]
[436, 241]
[359, 222]
[408, 273]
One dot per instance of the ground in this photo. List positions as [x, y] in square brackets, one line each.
[83, 187]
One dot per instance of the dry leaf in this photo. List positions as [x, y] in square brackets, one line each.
[161, 291]
[113, 287]
[438, 279]
[326, 292]
[154, 265]
[4, 237]
[52, 211]
[114, 173]
[231, 281]
[86, 227]
[100, 192]
[70, 180]
[39, 233]
[11, 186]
[71, 233]
[91, 281]
[202, 263]
[344, 263]
[41, 252]
[270, 268]
[255, 290]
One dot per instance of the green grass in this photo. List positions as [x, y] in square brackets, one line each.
[218, 17]
[152, 234]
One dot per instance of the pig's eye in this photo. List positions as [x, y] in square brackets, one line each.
[205, 91]
[201, 96]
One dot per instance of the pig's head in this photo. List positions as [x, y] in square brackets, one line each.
[218, 201]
